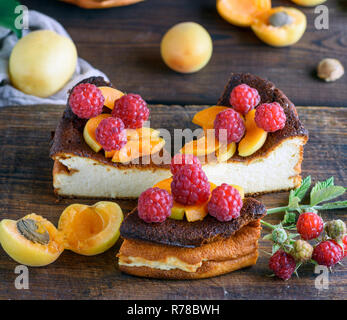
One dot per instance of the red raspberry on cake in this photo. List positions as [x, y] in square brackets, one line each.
[110, 134]
[232, 122]
[282, 264]
[327, 253]
[190, 185]
[180, 160]
[154, 205]
[270, 117]
[86, 101]
[225, 203]
[243, 98]
[309, 225]
[132, 109]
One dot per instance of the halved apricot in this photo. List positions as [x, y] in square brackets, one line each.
[90, 129]
[241, 12]
[110, 95]
[291, 25]
[138, 148]
[308, 3]
[254, 138]
[32, 240]
[90, 230]
[202, 146]
[205, 118]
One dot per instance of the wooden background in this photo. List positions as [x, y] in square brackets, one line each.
[26, 186]
[124, 43]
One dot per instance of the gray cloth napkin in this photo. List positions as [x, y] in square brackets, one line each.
[10, 96]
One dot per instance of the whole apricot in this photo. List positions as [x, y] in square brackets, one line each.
[186, 47]
[42, 62]
[308, 3]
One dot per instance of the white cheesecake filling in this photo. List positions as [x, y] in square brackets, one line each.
[168, 264]
[277, 171]
[89, 178]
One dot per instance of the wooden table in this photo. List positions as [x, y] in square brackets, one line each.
[124, 43]
[26, 186]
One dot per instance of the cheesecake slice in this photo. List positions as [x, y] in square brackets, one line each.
[276, 166]
[178, 249]
[78, 171]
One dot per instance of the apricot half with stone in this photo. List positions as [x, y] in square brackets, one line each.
[242, 12]
[280, 27]
[90, 230]
[32, 240]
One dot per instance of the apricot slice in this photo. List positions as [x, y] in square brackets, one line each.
[110, 95]
[241, 12]
[192, 213]
[254, 138]
[308, 3]
[91, 230]
[90, 129]
[225, 152]
[140, 133]
[205, 118]
[32, 240]
[202, 146]
[281, 35]
[138, 148]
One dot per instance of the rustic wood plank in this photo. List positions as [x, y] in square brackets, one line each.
[26, 186]
[124, 43]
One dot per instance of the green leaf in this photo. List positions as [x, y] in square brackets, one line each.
[326, 193]
[322, 185]
[294, 203]
[301, 191]
[334, 205]
[8, 16]
[275, 247]
[268, 237]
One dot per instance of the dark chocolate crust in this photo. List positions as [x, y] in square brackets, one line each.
[190, 234]
[68, 137]
[268, 93]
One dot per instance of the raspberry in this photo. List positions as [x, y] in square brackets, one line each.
[243, 98]
[279, 235]
[86, 101]
[302, 251]
[344, 241]
[154, 205]
[270, 117]
[225, 203]
[327, 253]
[132, 109]
[282, 264]
[190, 185]
[110, 134]
[335, 229]
[232, 122]
[309, 225]
[180, 160]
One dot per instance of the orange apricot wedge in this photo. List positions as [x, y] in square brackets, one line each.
[254, 138]
[225, 152]
[242, 12]
[202, 146]
[140, 133]
[110, 95]
[90, 129]
[205, 118]
[91, 230]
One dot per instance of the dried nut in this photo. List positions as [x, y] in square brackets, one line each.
[280, 19]
[330, 70]
[33, 231]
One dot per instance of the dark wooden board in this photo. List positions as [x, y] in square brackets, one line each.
[124, 43]
[26, 186]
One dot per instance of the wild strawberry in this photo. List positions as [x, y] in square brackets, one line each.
[327, 253]
[309, 225]
[335, 229]
[282, 264]
[302, 251]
